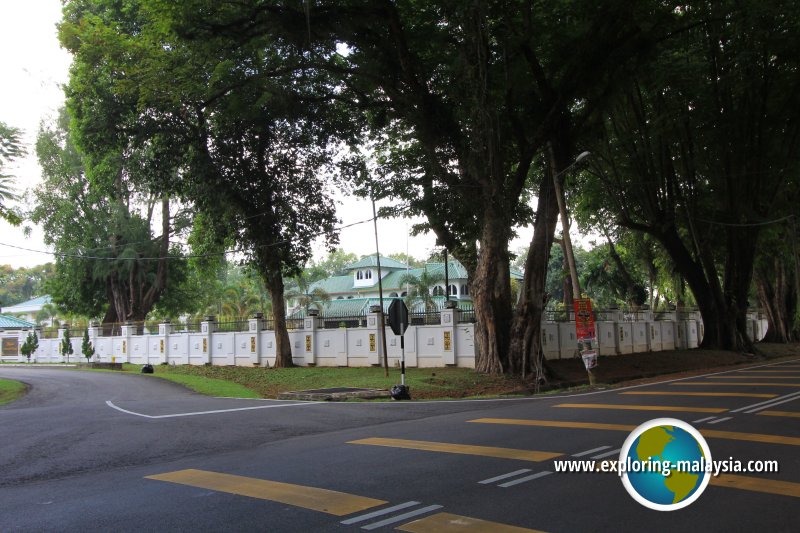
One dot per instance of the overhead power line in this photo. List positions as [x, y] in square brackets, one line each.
[77, 255]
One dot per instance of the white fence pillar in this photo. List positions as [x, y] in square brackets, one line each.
[375, 344]
[255, 326]
[449, 319]
[162, 355]
[309, 348]
[125, 344]
[207, 328]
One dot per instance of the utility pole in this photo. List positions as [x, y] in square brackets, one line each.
[567, 241]
[562, 210]
[380, 291]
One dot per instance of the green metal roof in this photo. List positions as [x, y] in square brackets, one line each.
[30, 306]
[372, 261]
[10, 322]
[335, 285]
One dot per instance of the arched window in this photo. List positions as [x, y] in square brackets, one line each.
[368, 274]
[452, 290]
[403, 294]
[340, 298]
[464, 290]
[359, 275]
[392, 295]
[349, 297]
[438, 291]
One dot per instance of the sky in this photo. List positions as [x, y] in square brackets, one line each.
[34, 68]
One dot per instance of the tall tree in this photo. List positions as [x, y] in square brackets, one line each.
[108, 261]
[699, 148]
[460, 98]
[231, 132]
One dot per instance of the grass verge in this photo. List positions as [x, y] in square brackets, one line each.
[11, 390]
[269, 382]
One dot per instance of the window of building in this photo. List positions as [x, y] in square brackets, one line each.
[392, 295]
[368, 274]
[438, 291]
[403, 294]
[452, 290]
[359, 275]
[464, 290]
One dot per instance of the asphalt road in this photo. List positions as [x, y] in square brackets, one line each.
[90, 451]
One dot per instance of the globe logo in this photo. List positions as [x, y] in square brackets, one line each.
[664, 464]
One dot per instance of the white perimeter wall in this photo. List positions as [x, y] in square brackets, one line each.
[447, 344]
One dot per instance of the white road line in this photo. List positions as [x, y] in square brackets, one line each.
[525, 479]
[706, 419]
[445, 402]
[767, 403]
[400, 518]
[504, 476]
[382, 512]
[593, 450]
[717, 421]
[607, 454]
[773, 404]
[197, 413]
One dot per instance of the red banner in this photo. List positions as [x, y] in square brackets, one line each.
[584, 319]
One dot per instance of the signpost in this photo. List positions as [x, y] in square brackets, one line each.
[584, 329]
[398, 321]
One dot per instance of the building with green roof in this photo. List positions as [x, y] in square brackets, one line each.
[28, 310]
[361, 286]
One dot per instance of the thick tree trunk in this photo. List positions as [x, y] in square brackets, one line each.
[491, 296]
[526, 355]
[723, 312]
[283, 347]
[778, 302]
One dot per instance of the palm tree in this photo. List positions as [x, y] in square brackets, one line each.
[46, 315]
[306, 295]
[421, 289]
[238, 302]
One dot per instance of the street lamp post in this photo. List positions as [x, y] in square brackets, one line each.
[562, 210]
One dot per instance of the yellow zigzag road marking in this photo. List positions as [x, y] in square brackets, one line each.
[642, 407]
[323, 500]
[712, 433]
[733, 394]
[466, 449]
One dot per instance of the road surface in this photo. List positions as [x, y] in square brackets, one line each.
[91, 451]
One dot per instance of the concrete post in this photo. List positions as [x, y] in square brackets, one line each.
[310, 326]
[207, 328]
[255, 326]
[449, 319]
[125, 346]
[61, 330]
[164, 331]
[375, 344]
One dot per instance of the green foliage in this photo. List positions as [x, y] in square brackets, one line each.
[18, 285]
[102, 235]
[302, 291]
[422, 288]
[86, 346]
[65, 347]
[11, 148]
[333, 265]
[30, 345]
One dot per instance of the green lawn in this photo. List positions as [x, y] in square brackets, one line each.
[11, 390]
[269, 382]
